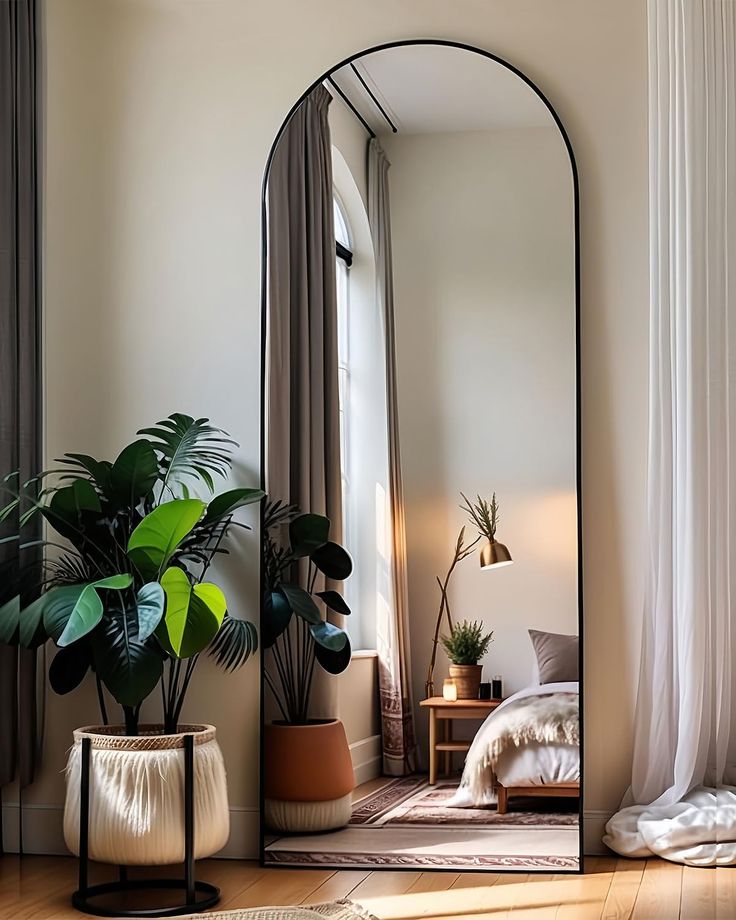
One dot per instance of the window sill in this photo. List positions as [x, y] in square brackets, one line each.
[364, 653]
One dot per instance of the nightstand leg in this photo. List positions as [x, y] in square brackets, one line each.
[432, 747]
[503, 800]
[448, 754]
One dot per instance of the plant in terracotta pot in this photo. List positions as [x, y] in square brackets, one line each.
[465, 646]
[127, 599]
[308, 770]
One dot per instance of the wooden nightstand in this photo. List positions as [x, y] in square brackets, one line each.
[443, 711]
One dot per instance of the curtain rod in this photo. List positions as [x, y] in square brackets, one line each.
[374, 98]
[352, 108]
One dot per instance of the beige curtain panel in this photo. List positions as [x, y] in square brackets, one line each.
[397, 719]
[302, 410]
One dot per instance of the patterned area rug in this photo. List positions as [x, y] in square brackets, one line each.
[335, 910]
[412, 801]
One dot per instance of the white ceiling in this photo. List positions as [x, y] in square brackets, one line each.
[429, 89]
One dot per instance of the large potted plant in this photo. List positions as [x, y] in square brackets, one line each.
[127, 600]
[465, 645]
[308, 775]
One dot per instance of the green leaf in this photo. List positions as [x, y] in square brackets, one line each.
[223, 505]
[193, 615]
[69, 668]
[79, 496]
[190, 449]
[57, 608]
[333, 662]
[328, 636]
[333, 561]
[301, 603]
[276, 617]
[99, 470]
[308, 532]
[88, 609]
[32, 631]
[128, 668]
[155, 539]
[151, 602]
[234, 643]
[335, 602]
[134, 473]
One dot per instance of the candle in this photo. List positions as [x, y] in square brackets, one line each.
[449, 690]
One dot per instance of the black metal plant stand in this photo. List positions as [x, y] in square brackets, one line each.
[198, 895]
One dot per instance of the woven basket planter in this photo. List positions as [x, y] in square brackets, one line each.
[137, 795]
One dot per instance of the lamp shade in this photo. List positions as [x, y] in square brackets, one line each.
[494, 554]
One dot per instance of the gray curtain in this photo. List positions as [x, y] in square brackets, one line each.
[397, 715]
[302, 410]
[19, 361]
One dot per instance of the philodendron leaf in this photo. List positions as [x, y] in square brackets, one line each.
[333, 561]
[276, 617]
[129, 669]
[333, 662]
[328, 636]
[57, 608]
[88, 609]
[193, 614]
[335, 602]
[308, 532]
[224, 504]
[134, 473]
[301, 603]
[150, 601]
[156, 538]
[69, 668]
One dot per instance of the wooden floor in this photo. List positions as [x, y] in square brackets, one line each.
[38, 887]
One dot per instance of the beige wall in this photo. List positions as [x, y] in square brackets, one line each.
[160, 115]
[484, 279]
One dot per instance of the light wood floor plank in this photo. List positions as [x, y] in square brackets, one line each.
[698, 901]
[660, 891]
[619, 904]
[340, 885]
[725, 892]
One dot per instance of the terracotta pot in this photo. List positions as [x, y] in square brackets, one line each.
[308, 776]
[467, 680]
[137, 795]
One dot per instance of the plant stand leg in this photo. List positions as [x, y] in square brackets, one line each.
[198, 895]
[432, 747]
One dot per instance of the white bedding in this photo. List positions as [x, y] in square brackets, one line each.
[533, 763]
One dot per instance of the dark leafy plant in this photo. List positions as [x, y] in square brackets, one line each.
[294, 624]
[127, 597]
[467, 643]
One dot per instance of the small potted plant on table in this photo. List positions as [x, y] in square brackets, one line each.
[465, 646]
[127, 601]
[308, 775]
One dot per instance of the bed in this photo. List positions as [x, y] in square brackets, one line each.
[530, 746]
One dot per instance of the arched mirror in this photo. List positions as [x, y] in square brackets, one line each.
[421, 542]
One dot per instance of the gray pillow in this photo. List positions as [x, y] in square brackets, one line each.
[557, 656]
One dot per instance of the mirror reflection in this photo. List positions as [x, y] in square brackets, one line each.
[421, 573]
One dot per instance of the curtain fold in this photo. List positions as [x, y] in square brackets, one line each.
[20, 389]
[394, 666]
[302, 396]
[681, 804]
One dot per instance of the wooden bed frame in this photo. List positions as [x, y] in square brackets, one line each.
[552, 790]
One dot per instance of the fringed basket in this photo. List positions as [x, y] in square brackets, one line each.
[137, 795]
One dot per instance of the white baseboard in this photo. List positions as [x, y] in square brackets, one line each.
[594, 827]
[43, 834]
[367, 757]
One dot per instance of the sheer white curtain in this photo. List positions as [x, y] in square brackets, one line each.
[681, 804]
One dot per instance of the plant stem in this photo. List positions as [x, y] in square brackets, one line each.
[131, 720]
[101, 700]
